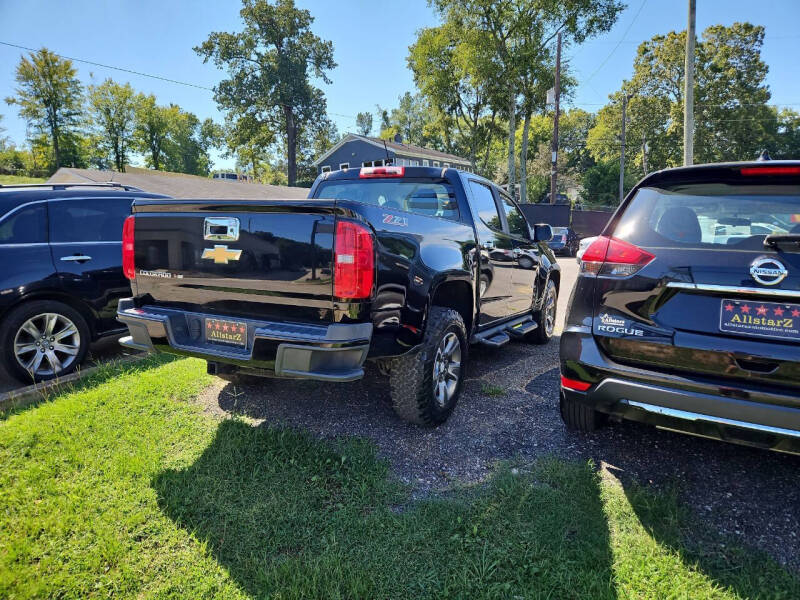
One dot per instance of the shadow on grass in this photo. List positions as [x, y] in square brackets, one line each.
[287, 514]
[749, 573]
[101, 375]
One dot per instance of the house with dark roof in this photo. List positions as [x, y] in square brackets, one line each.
[356, 151]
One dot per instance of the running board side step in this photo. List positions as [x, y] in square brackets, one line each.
[501, 334]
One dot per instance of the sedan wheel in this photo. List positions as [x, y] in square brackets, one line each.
[47, 344]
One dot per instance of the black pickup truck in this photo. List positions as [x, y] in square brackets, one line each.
[405, 266]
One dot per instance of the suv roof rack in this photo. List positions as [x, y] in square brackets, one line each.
[63, 186]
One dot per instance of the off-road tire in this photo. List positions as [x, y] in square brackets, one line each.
[18, 317]
[541, 335]
[411, 380]
[580, 417]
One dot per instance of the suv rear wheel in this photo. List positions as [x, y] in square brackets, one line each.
[42, 340]
[425, 386]
[580, 417]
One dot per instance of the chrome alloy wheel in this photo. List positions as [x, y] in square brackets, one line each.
[446, 369]
[47, 344]
[550, 311]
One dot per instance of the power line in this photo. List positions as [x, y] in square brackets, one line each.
[96, 64]
[630, 25]
[124, 70]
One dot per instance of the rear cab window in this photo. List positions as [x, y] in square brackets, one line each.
[429, 197]
[719, 216]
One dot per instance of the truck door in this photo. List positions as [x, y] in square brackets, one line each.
[496, 255]
[526, 257]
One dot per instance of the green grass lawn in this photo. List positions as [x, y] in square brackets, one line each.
[124, 487]
[8, 179]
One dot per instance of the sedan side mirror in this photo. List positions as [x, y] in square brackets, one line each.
[542, 232]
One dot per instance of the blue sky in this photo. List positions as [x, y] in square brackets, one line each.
[370, 44]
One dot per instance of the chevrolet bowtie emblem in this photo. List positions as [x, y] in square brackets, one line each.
[221, 254]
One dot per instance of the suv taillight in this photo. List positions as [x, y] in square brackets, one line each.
[614, 257]
[354, 259]
[128, 263]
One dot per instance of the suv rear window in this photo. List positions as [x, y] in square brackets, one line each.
[710, 215]
[423, 197]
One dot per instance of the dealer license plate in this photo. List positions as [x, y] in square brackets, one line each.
[221, 331]
[763, 319]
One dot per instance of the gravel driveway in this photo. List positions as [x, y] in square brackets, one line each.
[509, 410]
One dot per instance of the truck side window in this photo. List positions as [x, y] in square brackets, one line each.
[25, 226]
[517, 225]
[485, 206]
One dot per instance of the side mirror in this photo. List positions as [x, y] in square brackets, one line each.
[542, 232]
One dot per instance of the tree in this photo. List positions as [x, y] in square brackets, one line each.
[732, 118]
[113, 109]
[151, 129]
[364, 123]
[449, 69]
[269, 65]
[50, 98]
[189, 143]
[601, 183]
[521, 32]
[3, 139]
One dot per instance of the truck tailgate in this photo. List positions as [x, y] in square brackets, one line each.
[251, 259]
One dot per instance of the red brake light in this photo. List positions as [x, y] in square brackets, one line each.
[574, 384]
[354, 261]
[615, 257]
[770, 171]
[369, 172]
[128, 263]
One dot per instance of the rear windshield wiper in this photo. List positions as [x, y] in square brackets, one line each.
[773, 240]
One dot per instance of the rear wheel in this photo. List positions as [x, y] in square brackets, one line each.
[425, 386]
[580, 417]
[43, 340]
[545, 317]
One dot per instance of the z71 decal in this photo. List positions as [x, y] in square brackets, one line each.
[395, 220]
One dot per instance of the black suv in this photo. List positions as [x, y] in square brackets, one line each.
[686, 312]
[61, 275]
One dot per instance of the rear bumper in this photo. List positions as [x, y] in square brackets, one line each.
[752, 416]
[334, 352]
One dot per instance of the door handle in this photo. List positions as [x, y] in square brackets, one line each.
[76, 258]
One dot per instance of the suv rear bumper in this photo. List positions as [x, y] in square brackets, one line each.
[752, 416]
[334, 352]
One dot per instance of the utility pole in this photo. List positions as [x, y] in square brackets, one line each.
[688, 89]
[554, 148]
[622, 150]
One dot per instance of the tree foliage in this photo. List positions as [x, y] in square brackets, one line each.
[364, 123]
[269, 65]
[112, 107]
[50, 99]
[732, 118]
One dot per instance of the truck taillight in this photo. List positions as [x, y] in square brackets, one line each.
[614, 257]
[372, 172]
[354, 261]
[128, 263]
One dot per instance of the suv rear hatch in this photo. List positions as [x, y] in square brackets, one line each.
[700, 273]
